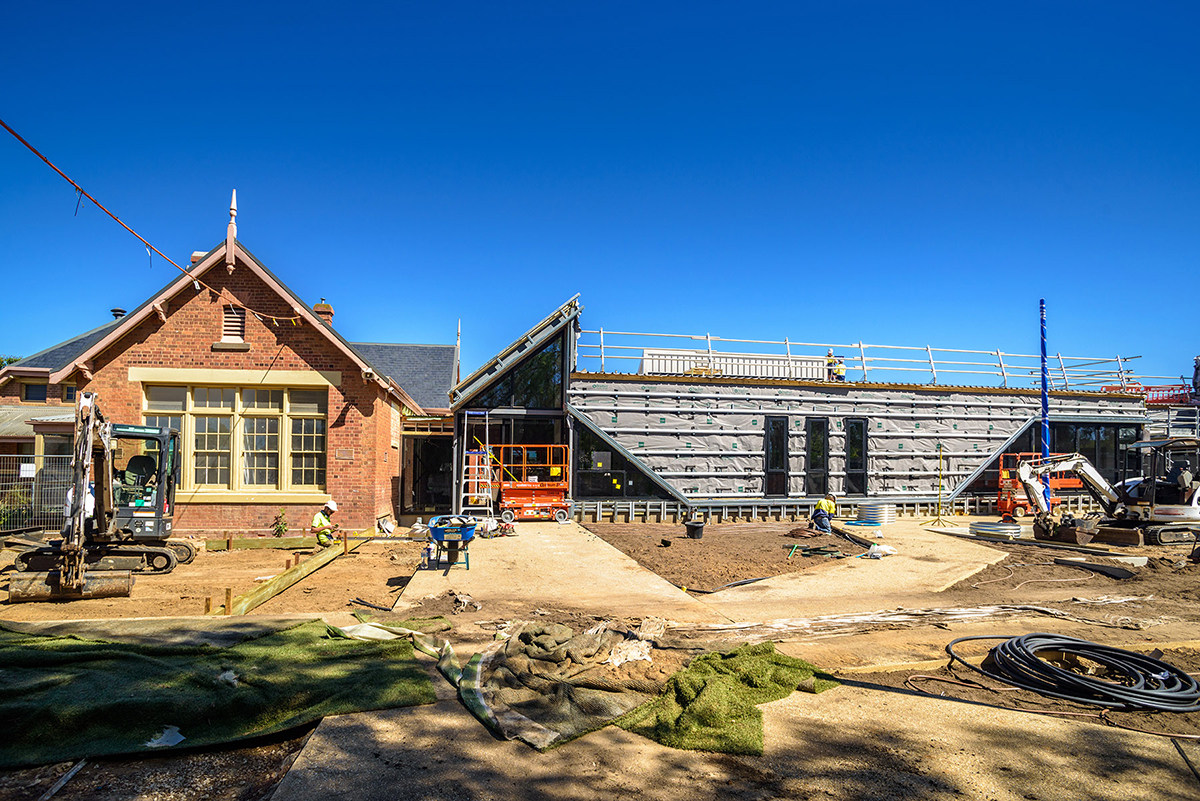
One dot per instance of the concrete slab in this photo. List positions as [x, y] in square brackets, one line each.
[560, 565]
[926, 562]
[850, 743]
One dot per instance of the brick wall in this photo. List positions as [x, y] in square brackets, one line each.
[10, 395]
[359, 480]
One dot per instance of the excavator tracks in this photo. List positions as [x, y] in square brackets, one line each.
[145, 560]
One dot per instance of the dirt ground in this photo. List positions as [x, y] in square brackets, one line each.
[963, 683]
[726, 553]
[1169, 583]
[375, 572]
[238, 774]
[731, 552]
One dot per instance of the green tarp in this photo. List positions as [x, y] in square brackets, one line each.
[63, 697]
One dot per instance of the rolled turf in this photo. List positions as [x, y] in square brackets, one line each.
[711, 705]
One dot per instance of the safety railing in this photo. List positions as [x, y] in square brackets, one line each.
[602, 351]
[33, 492]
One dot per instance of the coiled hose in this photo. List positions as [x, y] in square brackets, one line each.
[1144, 683]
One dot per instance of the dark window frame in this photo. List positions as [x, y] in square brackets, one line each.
[816, 480]
[776, 480]
[865, 445]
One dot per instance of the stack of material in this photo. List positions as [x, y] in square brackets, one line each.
[1008, 531]
[877, 512]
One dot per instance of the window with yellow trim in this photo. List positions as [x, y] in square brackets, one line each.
[250, 439]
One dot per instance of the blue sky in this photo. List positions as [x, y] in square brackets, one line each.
[914, 173]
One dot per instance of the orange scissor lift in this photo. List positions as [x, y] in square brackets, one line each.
[533, 481]
[1011, 500]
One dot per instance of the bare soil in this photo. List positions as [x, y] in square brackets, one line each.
[249, 773]
[376, 572]
[962, 683]
[1170, 581]
[726, 553]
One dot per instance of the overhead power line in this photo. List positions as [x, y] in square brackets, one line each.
[82, 192]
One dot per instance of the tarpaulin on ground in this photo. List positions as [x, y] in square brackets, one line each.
[711, 704]
[546, 685]
[64, 697]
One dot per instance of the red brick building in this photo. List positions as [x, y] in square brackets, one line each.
[276, 409]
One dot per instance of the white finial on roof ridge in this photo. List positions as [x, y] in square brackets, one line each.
[231, 233]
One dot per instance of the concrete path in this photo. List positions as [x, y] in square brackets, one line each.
[563, 566]
[854, 742]
[925, 563]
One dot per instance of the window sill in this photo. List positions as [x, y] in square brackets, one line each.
[260, 496]
[234, 346]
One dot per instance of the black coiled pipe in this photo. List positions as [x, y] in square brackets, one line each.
[1144, 682]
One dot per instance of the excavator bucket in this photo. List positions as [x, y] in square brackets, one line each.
[24, 587]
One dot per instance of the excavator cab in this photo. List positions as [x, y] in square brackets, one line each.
[145, 473]
[1162, 494]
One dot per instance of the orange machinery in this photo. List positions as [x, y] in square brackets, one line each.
[1011, 498]
[533, 481]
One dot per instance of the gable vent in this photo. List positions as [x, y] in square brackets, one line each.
[233, 326]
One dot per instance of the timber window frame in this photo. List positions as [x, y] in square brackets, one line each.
[245, 439]
[34, 392]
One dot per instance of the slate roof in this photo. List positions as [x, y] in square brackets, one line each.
[58, 356]
[426, 372]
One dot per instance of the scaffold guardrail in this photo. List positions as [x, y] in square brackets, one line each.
[626, 352]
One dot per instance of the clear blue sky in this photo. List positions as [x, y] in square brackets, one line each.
[908, 173]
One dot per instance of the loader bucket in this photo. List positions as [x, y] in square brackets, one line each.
[47, 587]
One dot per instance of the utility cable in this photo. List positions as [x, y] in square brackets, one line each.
[81, 193]
[1144, 682]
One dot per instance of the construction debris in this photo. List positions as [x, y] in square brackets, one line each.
[792, 629]
[464, 602]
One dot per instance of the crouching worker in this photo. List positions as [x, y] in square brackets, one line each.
[323, 526]
[824, 512]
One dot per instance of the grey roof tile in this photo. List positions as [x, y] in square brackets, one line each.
[58, 356]
[426, 372]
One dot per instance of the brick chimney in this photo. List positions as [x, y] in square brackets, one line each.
[324, 311]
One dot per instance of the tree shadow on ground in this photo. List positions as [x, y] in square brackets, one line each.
[916, 747]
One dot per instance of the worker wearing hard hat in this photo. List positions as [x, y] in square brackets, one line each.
[835, 367]
[323, 525]
[825, 511]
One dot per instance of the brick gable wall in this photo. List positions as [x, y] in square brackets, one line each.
[359, 479]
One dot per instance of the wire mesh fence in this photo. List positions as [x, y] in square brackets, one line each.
[33, 492]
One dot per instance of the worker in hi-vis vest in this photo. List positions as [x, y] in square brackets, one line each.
[825, 511]
[322, 524]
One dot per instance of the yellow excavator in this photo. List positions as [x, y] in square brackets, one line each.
[119, 530]
[1154, 508]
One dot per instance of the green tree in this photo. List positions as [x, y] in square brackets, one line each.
[5, 361]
